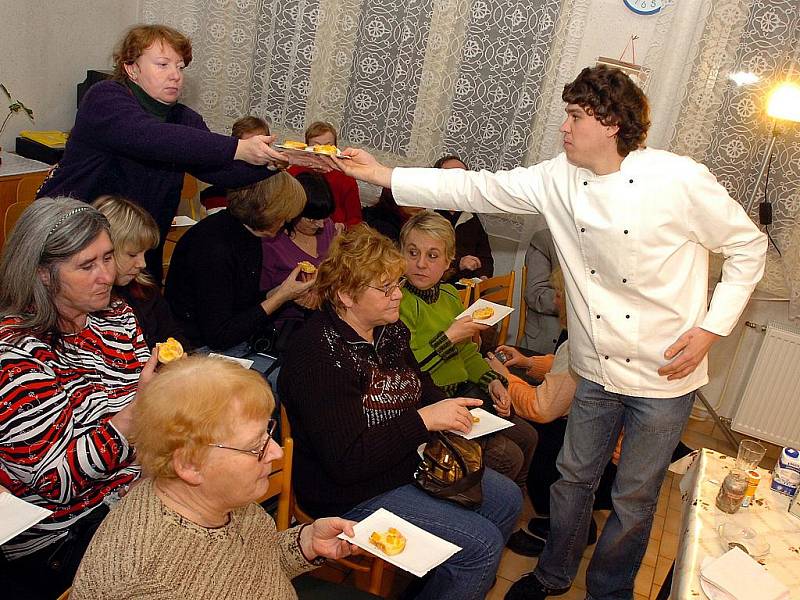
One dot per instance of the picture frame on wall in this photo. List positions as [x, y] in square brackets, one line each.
[639, 74]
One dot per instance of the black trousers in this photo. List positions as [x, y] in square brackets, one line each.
[44, 575]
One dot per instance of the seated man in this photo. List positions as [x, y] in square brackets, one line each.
[442, 344]
[360, 406]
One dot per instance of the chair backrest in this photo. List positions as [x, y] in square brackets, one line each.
[498, 289]
[189, 193]
[13, 213]
[280, 484]
[465, 294]
[523, 306]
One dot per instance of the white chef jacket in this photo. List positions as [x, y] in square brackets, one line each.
[634, 246]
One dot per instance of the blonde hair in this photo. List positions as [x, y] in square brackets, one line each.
[140, 37]
[263, 204]
[320, 127]
[132, 229]
[434, 226]
[192, 403]
[357, 258]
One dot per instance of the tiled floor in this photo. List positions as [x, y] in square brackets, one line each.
[660, 552]
[663, 537]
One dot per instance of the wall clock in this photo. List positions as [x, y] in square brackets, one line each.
[644, 7]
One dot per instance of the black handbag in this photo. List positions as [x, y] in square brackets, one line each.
[452, 469]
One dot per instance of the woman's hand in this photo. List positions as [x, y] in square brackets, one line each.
[469, 263]
[463, 329]
[290, 289]
[500, 397]
[339, 228]
[449, 414]
[123, 420]
[515, 357]
[319, 538]
[257, 151]
[362, 165]
[496, 365]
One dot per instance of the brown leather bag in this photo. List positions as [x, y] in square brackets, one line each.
[452, 469]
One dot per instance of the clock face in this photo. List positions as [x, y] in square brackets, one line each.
[644, 7]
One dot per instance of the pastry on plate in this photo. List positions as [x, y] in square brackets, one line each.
[294, 145]
[169, 351]
[390, 542]
[328, 149]
[482, 314]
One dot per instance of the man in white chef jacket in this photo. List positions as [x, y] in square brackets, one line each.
[632, 228]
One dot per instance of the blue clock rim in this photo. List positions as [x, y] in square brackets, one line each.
[642, 12]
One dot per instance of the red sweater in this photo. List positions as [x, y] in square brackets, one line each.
[345, 195]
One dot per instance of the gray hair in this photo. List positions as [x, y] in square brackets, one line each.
[49, 232]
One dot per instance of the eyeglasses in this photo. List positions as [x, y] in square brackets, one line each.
[271, 424]
[389, 288]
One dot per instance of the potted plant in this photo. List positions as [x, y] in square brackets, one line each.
[15, 107]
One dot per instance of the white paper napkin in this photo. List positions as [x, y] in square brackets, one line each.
[17, 515]
[423, 550]
[500, 311]
[740, 577]
[487, 424]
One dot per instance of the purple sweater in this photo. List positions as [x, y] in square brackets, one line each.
[116, 147]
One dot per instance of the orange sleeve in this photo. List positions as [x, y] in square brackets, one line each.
[543, 403]
[541, 365]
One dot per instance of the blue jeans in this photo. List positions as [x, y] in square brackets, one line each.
[653, 428]
[481, 533]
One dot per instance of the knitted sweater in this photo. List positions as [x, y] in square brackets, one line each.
[428, 314]
[353, 407]
[145, 550]
[58, 448]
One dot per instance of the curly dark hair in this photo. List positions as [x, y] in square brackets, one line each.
[614, 99]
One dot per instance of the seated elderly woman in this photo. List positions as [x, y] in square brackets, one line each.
[442, 344]
[192, 529]
[133, 233]
[360, 406]
[70, 365]
[213, 283]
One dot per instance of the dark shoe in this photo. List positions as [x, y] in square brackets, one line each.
[529, 588]
[525, 544]
[540, 527]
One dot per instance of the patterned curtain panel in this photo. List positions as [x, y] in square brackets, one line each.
[724, 124]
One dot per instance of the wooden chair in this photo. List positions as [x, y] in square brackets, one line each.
[523, 306]
[465, 293]
[189, 192]
[370, 565]
[500, 290]
[280, 484]
[13, 213]
[28, 186]
[65, 595]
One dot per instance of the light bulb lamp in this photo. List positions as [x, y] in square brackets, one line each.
[783, 104]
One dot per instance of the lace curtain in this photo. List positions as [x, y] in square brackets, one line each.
[724, 125]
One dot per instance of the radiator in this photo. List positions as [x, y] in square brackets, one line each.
[770, 407]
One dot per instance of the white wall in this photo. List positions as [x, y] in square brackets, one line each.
[46, 48]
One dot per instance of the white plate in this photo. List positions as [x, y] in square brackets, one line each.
[308, 150]
[468, 281]
[423, 550]
[500, 311]
[245, 362]
[183, 221]
[488, 423]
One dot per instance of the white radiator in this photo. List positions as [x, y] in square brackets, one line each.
[770, 407]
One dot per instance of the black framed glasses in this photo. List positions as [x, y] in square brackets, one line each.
[389, 288]
[271, 425]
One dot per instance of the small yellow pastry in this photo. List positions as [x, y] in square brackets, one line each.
[466, 281]
[482, 313]
[326, 149]
[476, 419]
[306, 267]
[169, 351]
[390, 542]
[294, 145]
